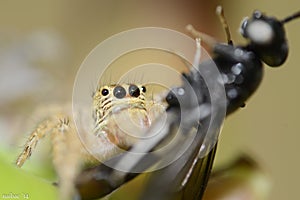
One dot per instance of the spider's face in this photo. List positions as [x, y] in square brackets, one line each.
[120, 111]
[112, 99]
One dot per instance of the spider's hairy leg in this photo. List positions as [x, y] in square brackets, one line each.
[67, 151]
[67, 161]
[42, 129]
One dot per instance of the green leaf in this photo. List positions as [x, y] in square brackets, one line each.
[16, 183]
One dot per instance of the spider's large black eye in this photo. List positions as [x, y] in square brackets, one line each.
[134, 91]
[104, 92]
[119, 92]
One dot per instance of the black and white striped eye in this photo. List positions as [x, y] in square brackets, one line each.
[134, 91]
[119, 92]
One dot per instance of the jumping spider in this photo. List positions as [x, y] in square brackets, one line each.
[117, 110]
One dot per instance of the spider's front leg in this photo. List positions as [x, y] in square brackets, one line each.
[39, 133]
[66, 149]
[67, 158]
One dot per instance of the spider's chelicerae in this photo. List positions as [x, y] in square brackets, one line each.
[119, 111]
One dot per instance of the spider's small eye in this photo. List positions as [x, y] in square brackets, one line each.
[143, 88]
[134, 91]
[119, 92]
[104, 92]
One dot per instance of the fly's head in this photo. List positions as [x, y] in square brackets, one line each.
[267, 37]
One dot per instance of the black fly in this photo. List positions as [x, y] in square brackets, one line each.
[241, 71]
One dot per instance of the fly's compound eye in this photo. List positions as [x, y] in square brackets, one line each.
[143, 88]
[119, 92]
[105, 92]
[134, 91]
[260, 32]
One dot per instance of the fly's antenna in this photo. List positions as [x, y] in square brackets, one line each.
[220, 13]
[291, 17]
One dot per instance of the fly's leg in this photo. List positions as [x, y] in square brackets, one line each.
[209, 40]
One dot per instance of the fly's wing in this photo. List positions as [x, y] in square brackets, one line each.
[196, 182]
[186, 178]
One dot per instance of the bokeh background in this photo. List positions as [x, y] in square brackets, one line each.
[42, 44]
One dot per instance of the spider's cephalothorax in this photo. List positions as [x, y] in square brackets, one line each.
[120, 112]
[110, 99]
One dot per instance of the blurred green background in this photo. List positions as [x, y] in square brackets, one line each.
[42, 44]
